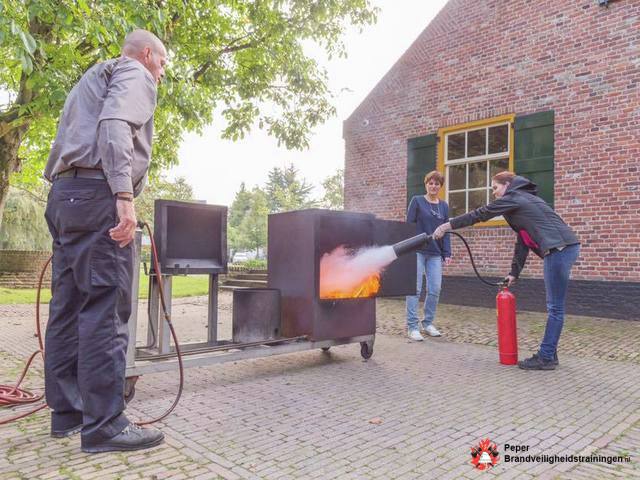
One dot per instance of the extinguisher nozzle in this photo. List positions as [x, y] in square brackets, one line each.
[411, 244]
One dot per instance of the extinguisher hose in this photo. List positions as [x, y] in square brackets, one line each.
[12, 395]
[473, 263]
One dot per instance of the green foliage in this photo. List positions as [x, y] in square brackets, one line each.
[334, 191]
[181, 286]
[240, 206]
[187, 286]
[229, 56]
[286, 191]
[254, 264]
[251, 234]
[15, 296]
[159, 187]
[24, 226]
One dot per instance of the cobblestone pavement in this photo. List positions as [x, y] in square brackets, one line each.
[413, 410]
[589, 337]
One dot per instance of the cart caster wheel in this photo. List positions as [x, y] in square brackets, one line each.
[325, 349]
[130, 388]
[366, 350]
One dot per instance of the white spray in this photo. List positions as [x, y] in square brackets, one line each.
[344, 270]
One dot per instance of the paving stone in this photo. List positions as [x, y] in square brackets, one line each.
[306, 415]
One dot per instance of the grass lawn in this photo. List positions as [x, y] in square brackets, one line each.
[191, 286]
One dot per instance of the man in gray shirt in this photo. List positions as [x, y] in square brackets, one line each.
[98, 164]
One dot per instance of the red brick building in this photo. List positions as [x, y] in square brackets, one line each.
[550, 90]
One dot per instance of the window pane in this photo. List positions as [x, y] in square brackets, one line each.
[477, 174]
[498, 166]
[477, 198]
[457, 204]
[476, 142]
[498, 139]
[457, 177]
[455, 146]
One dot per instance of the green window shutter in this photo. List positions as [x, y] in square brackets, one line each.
[421, 159]
[533, 155]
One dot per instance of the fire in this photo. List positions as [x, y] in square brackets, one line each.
[368, 288]
[350, 273]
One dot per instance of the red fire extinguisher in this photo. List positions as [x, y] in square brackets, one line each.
[507, 331]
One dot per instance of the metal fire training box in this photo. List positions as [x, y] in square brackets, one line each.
[190, 237]
[297, 242]
[288, 317]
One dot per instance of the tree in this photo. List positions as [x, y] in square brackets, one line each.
[240, 206]
[252, 231]
[285, 191]
[334, 191]
[24, 226]
[230, 56]
[237, 211]
[160, 188]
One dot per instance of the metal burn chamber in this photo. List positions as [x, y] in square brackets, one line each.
[297, 242]
[190, 237]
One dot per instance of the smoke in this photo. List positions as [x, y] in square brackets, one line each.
[343, 270]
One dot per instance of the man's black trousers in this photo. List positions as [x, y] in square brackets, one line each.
[86, 337]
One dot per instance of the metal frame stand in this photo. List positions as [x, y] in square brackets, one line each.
[158, 355]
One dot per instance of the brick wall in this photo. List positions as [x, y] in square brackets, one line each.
[483, 58]
[21, 269]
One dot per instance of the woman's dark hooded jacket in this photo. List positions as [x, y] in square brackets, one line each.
[539, 228]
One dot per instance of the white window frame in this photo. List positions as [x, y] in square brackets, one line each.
[475, 159]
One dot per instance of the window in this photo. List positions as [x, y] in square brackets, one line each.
[472, 156]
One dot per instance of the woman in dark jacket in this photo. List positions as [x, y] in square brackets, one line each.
[541, 230]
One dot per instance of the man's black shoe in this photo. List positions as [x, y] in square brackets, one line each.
[536, 362]
[132, 437]
[67, 432]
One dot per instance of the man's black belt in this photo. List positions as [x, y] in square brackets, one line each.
[79, 172]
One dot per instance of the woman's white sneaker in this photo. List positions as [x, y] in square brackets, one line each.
[432, 331]
[415, 336]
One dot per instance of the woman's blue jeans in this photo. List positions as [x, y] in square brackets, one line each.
[557, 268]
[432, 266]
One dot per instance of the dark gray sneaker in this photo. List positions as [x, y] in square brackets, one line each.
[555, 358]
[536, 362]
[131, 438]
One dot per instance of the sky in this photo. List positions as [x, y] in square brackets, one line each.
[215, 168]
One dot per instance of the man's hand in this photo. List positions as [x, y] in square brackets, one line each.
[510, 280]
[447, 261]
[441, 230]
[125, 230]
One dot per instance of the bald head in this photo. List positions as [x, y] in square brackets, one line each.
[145, 47]
[138, 40]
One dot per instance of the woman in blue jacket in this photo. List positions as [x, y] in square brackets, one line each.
[428, 212]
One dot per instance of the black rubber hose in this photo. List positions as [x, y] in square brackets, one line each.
[473, 264]
[167, 317]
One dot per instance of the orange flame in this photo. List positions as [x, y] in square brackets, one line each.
[368, 288]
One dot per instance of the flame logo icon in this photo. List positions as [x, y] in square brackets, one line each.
[485, 455]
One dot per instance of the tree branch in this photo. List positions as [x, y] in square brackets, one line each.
[228, 49]
[10, 120]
